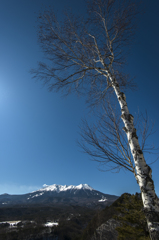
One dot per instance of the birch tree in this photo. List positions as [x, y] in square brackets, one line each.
[106, 142]
[86, 54]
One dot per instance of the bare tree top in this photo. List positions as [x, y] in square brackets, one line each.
[82, 49]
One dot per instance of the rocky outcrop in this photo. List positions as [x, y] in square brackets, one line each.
[107, 231]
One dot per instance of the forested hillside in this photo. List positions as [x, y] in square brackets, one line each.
[123, 220]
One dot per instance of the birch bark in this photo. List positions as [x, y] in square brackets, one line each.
[143, 171]
[71, 51]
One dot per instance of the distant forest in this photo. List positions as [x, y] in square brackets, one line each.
[77, 223]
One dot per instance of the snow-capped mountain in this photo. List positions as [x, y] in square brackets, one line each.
[61, 188]
[82, 194]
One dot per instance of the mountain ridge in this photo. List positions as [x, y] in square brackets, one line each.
[81, 195]
[58, 188]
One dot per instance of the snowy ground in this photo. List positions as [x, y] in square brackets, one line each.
[14, 223]
[51, 224]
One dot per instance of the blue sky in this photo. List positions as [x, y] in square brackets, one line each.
[38, 129]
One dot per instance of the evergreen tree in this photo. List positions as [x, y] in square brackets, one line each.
[132, 218]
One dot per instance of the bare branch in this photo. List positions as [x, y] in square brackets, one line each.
[107, 144]
[81, 50]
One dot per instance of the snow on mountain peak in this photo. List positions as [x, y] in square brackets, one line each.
[61, 188]
[84, 186]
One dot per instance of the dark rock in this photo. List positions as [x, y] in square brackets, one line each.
[107, 231]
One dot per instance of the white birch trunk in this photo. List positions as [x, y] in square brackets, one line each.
[143, 171]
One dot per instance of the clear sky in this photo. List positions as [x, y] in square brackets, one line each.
[38, 129]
